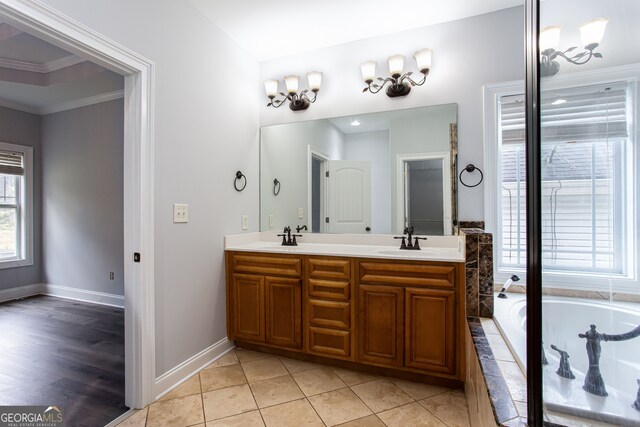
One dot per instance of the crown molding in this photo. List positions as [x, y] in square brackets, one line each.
[64, 106]
[57, 64]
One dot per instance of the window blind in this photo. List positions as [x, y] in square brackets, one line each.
[11, 163]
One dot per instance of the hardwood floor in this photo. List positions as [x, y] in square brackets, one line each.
[60, 352]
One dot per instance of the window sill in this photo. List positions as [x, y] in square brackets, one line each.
[15, 263]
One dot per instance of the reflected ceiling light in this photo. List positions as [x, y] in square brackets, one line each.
[559, 101]
[355, 122]
[591, 34]
[400, 84]
[297, 101]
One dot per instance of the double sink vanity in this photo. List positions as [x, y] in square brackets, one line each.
[365, 304]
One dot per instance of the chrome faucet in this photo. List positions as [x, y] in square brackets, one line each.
[289, 239]
[408, 244]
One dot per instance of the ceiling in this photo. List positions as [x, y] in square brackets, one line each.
[269, 29]
[38, 77]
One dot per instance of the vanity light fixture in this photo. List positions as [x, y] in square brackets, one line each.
[400, 84]
[591, 34]
[297, 101]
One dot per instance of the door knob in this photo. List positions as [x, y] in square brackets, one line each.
[368, 229]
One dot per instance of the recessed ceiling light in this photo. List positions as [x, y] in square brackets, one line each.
[559, 101]
[355, 122]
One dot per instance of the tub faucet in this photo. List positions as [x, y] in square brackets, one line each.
[506, 285]
[564, 370]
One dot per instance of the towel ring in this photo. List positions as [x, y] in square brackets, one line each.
[239, 176]
[470, 168]
[276, 187]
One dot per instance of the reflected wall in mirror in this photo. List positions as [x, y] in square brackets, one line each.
[369, 173]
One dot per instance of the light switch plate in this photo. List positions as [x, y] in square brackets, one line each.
[271, 220]
[300, 213]
[180, 213]
[245, 222]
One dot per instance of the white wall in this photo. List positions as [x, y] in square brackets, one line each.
[374, 147]
[206, 128]
[82, 201]
[284, 156]
[468, 54]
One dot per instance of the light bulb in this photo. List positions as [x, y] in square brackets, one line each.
[292, 83]
[355, 122]
[549, 38]
[423, 59]
[271, 87]
[315, 80]
[396, 65]
[592, 32]
[368, 71]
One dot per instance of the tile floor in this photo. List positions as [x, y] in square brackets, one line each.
[246, 388]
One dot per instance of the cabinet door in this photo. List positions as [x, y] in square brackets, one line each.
[284, 311]
[430, 329]
[380, 324]
[248, 307]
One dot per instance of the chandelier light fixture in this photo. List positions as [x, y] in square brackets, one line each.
[591, 34]
[297, 101]
[399, 84]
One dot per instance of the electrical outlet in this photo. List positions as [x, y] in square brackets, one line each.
[272, 220]
[112, 275]
[245, 222]
[300, 213]
[180, 213]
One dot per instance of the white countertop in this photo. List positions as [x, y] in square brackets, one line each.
[436, 248]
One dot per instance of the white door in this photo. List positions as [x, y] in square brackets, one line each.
[349, 197]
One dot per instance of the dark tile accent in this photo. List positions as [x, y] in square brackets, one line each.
[472, 251]
[473, 307]
[486, 239]
[486, 305]
[503, 407]
[472, 224]
[485, 269]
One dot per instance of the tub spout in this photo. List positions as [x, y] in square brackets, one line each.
[565, 369]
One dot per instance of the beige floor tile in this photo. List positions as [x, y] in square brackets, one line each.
[263, 369]
[352, 377]
[380, 395]
[224, 376]
[226, 359]
[292, 414]
[419, 391]
[370, 421]
[275, 391]
[183, 411]
[515, 379]
[450, 408]
[139, 419]
[318, 381]
[248, 355]
[248, 419]
[499, 348]
[228, 401]
[339, 406]
[295, 366]
[412, 415]
[187, 388]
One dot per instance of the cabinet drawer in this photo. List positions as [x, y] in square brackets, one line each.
[267, 265]
[331, 342]
[329, 268]
[407, 274]
[329, 289]
[333, 314]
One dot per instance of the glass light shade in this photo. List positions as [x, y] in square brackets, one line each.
[549, 38]
[423, 59]
[271, 87]
[315, 80]
[368, 70]
[396, 64]
[592, 32]
[292, 83]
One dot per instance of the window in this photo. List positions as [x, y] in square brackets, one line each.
[15, 205]
[585, 148]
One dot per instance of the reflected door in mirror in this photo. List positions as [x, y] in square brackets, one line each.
[349, 196]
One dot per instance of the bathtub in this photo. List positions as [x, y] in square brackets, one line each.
[563, 320]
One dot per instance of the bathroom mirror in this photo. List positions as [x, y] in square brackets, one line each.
[367, 173]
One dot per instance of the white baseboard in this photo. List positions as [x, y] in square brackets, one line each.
[176, 376]
[20, 292]
[93, 297]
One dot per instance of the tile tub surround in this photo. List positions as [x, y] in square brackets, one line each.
[247, 388]
[479, 272]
